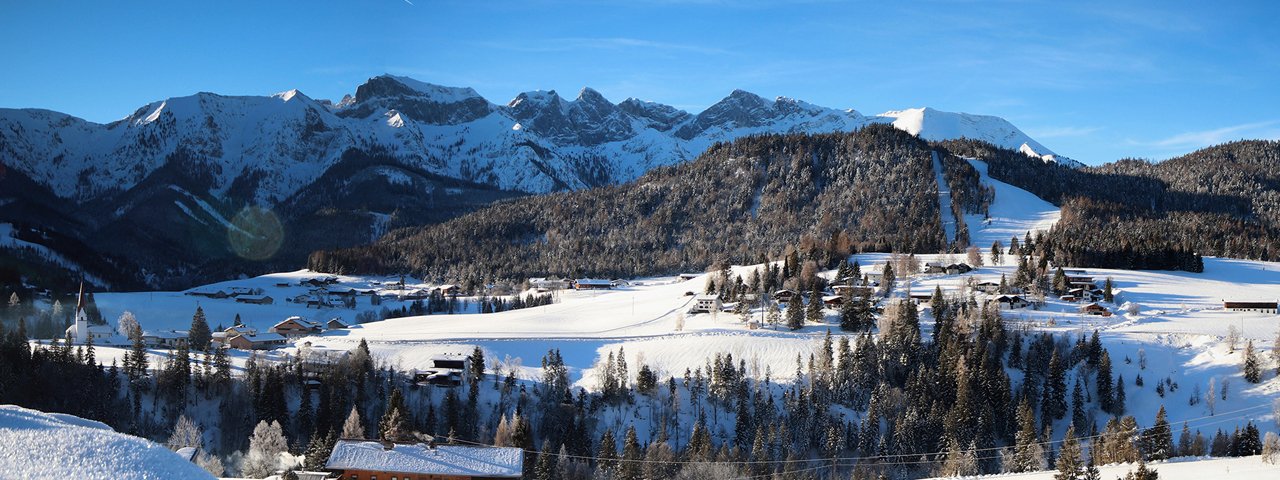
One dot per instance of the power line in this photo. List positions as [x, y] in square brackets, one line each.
[1219, 418]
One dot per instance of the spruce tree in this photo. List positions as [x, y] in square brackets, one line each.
[795, 312]
[1117, 403]
[1104, 380]
[199, 335]
[1079, 418]
[1060, 285]
[630, 467]
[1028, 455]
[1070, 464]
[813, 311]
[1158, 440]
[1252, 365]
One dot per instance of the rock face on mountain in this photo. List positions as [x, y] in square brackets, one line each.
[399, 152]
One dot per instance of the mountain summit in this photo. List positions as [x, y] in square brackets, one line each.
[538, 142]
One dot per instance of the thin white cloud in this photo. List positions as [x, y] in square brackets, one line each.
[1204, 138]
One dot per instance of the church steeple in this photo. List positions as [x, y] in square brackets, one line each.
[80, 299]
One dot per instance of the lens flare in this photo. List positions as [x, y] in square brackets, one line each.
[255, 233]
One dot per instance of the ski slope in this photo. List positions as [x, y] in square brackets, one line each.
[1013, 213]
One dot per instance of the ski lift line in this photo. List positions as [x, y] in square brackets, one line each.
[1217, 419]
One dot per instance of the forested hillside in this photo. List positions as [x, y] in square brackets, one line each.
[1222, 201]
[872, 189]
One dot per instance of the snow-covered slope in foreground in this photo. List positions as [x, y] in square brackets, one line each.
[35, 444]
[1242, 468]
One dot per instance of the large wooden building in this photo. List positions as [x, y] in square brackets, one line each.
[1264, 307]
[370, 460]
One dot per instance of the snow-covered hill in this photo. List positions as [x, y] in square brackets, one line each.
[269, 147]
[35, 444]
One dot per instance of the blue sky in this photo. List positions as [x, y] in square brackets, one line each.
[1094, 81]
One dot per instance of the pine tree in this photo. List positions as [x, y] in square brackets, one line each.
[1070, 464]
[199, 335]
[1056, 386]
[1158, 440]
[1079, 419]
[1107, 294]
[352, 427]
[607, 456]
[545, 467]
[1117, 403]
[1142, 473]
[630, 467]
[395, 423]
[265, 446]
[1252, 365]
[813, 311]
[1028, 455]
[795, 313]
[1104, 380]
[887, 278]
[1060, 285]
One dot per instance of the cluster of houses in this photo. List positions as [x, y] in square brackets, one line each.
[952, 269]
[240, 294]
[242, 337]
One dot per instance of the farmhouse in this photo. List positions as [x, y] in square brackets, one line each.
[689, 276]
[295, 327]
[1011, 302]
[1079, 278]
[852, 290]
[1264, 307]
[958, 268]
[546, 284]
[988, 287]
[256, 342]
[833, 301]
[164, 338]
[449, 289]
[334, 324]
[935, 267]
[1086, 294]
[784, 295]
[705, 304]
[1095, 309]
[445, 371]
[255, 299]
[208, 293]
[592, 284]
[370, 460]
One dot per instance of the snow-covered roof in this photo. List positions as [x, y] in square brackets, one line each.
[707, 297]
[592, 281]
[265, 337]
[421, 459]
[165, 334]
[301, 321]
[64, 446]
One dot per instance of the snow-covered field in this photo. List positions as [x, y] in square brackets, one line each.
[64, 446]
[1176, 335]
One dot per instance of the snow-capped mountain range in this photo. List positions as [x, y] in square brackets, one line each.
[270, 147]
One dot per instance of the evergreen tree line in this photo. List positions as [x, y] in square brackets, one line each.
[1222, 200]
[727, 416]
[869, 190]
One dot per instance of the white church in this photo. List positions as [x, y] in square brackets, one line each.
[80, 331]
